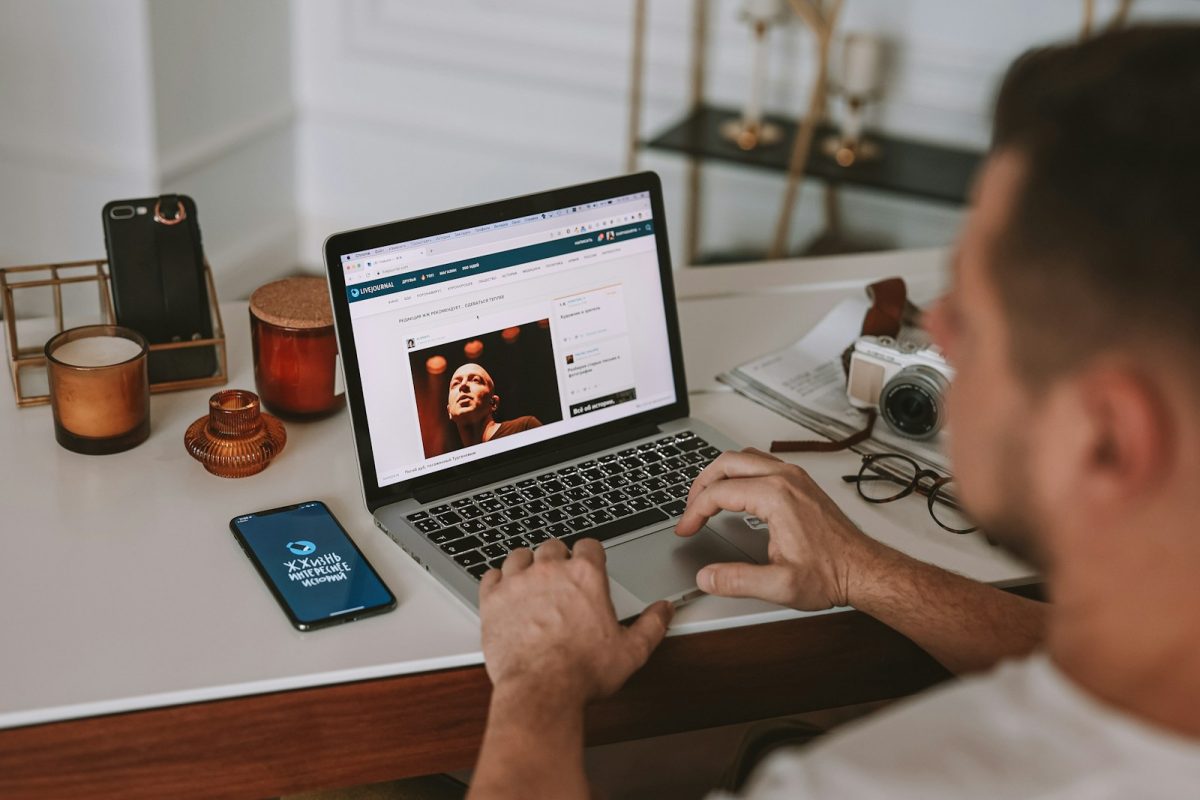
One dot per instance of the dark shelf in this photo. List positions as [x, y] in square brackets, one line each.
[930, 171]
[822, 245]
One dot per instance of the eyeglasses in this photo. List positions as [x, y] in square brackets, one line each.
[885, 477]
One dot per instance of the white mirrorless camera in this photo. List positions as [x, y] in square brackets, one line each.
[905, 378]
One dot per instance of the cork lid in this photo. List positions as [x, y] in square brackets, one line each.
[293, 303]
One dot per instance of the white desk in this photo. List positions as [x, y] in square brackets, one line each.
[123, 589]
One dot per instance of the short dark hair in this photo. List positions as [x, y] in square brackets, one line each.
[1102, 248]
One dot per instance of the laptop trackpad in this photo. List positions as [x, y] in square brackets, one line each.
[662, 565]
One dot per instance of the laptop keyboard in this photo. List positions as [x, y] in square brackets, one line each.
[599, 499]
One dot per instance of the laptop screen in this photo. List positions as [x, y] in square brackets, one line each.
[481, 341]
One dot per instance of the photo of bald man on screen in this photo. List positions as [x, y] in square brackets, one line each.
[472, 405]
[485, 386]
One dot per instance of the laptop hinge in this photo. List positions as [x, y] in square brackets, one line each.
[436, 491]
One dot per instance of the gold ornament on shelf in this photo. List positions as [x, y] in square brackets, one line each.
[751, 131]
[857, 82]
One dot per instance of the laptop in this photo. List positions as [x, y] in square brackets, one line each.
[514, 373]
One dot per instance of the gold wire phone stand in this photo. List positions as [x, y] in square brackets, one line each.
[56, 276]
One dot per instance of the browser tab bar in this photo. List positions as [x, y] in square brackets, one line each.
[588, 214]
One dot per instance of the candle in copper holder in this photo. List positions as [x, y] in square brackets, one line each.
[99, 388]
[295, 348]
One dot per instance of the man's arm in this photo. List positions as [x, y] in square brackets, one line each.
[533, 746]
[551, 642]
[819, 560]
[964, 624]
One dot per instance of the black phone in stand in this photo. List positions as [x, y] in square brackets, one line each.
[156, 264]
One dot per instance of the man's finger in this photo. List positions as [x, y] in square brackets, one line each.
[589, 550]
[774, 583]
[731, 494]
[550, 550]
[489, 579]
[763, 453]
[732, 464]
[648, 630]
[517, 560]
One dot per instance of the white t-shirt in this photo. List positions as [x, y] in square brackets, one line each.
[1023, 730]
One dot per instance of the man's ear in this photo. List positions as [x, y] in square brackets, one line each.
[495, 402]
[1132, 434]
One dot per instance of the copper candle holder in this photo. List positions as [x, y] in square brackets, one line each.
[99, 388]
[236, 439]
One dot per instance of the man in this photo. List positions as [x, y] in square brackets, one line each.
[1073, 324]
[472, 403]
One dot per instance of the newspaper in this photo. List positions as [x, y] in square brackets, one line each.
[806, 384]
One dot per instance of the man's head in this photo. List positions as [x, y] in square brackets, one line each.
[472, 399]
[1074, 318]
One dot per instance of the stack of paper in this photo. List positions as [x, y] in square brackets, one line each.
[806, 384]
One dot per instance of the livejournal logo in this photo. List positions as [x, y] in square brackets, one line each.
[354, 292]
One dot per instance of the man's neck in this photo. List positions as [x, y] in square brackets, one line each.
[473, 432]
[1124, 626]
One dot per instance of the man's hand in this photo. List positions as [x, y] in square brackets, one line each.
[551, 642]
[549, 624]
[816, 553]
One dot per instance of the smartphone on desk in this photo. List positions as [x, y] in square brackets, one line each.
[156, 265]
[316, 572]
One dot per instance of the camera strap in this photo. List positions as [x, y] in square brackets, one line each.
[888, 313]
[819, 446]
[890, 308]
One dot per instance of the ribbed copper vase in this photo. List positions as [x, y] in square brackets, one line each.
[237, 438]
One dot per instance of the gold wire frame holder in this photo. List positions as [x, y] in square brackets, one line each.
[33, 356]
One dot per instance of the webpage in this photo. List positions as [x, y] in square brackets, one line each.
[503, 341]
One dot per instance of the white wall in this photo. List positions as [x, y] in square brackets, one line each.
[288, 120]
[76, 129]
[407, 108]
[130, 98]
[225, 135]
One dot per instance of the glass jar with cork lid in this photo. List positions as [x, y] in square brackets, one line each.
[295, 348]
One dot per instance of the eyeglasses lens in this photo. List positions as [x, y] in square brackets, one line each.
[947, 512]
[886, 478]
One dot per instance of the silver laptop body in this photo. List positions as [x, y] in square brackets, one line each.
[514, 374]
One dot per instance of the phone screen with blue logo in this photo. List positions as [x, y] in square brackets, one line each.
[315, 570]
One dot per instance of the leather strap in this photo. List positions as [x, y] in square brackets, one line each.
[889, 300]
[176, 257]
[818, 446]
[889, 312]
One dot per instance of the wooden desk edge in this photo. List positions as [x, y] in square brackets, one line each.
[384, 729]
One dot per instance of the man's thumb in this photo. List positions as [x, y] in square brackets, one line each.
[770, 582]
[649, 629]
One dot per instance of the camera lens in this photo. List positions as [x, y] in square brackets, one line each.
[912, 401]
